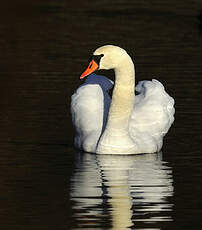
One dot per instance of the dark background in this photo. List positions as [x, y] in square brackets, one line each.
[44, 46]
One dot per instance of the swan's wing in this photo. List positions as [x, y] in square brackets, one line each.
[152, 115]
[89, 108]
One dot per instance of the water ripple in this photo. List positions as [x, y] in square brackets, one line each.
[121, 191]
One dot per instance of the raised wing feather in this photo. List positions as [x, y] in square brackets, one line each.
[89, 107]
[152, 115]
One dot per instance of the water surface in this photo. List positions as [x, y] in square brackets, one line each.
[121, 191]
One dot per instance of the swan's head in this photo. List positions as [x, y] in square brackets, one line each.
[105, 57]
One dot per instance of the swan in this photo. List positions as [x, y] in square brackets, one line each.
[126, 123]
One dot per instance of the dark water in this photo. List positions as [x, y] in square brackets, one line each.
[45, 182]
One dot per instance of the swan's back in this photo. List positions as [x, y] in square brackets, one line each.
[152, 116]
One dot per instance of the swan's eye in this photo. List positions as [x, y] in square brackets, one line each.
[90, 58]
[96, 58]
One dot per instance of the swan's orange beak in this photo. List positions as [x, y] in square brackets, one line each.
[93, 66]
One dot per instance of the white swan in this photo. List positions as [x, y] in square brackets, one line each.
[127, 124]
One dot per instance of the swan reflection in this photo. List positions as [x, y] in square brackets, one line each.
[121, 191]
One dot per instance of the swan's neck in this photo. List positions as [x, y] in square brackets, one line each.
[123, 97]
[116, 138]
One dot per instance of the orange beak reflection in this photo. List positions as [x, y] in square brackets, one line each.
[93, 66]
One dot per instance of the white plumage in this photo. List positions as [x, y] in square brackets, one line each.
[152, 116]
[137, 130]
[89, 107]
